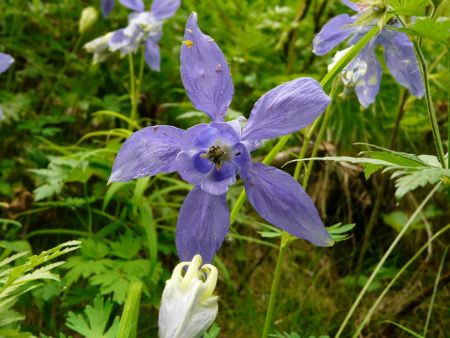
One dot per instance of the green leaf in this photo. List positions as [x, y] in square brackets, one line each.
[424, 27]
[415, 179]
[411, 332]
[127, 247]
[95, 320]
[213, 332]
[409, 7]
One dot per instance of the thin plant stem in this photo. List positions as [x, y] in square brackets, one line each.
[304, 147]
[326, 81]
[369, 314]
[328, 78]
[428, 101]
[88, 205]
[323, 128]
[433, 297]
[380, 193]
[140, 74]
[383, 260]
[133, 98]
[275, 283]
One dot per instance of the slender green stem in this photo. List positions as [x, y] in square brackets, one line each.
[133, 97]
[433, 297]
[130, 315]
[382, 187]
[323, 128]
[305, 144]
[383, 260]
[428, 101]
[326, 81]
[369, 314]
[275, 284]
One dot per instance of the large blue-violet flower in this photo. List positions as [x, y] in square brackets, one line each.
[364, 72]
[210, 155]
[6, 61]
[144, 28]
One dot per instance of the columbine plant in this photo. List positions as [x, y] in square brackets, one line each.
[144, 28]
[364, 72]
[211, 155]
[6, 61]
[188, 306]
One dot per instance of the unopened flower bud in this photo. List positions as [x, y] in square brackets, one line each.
[188, 306]
[89, 16]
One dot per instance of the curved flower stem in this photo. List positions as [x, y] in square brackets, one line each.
[328, 78]
[393, 280]
[285, 237]
[323, 128]
[326, 81]
[384, 258]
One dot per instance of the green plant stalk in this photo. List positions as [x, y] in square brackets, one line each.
[380, 193]
[384, 258]
[330, 76]
[369, 314]
[323, 128]
[433, 297]
[305, 144]
[275, 284]
[430, 106]
[133, 97]
[428, 100]
[129, 320]
[326, 81]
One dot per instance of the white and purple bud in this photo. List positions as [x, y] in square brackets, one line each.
[188, 306]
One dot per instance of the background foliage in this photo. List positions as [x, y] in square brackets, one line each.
[59, 139]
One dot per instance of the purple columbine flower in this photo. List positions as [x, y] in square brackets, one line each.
[364, 72]
[6, 61]
[144, 28]
[211, 155]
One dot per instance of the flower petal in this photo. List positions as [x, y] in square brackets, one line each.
[135, 5]
[192, 167]
[202, 226]
[205, 72]
[147, 152]
[6, 61]
[163, 9]
[107, 7]
[401, 61]
[217, 182]
[350, 5]
[333, 33]
[285, 109]
[368, 86]
[280, 200]
[152, 55]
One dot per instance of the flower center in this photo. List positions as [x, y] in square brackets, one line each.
[217, 154]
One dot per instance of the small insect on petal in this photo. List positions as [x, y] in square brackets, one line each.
[188, 43]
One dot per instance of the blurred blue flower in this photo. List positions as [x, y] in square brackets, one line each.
[6, 61]
[144, 28]
[364, 72]
[211, 155]
[107, 6]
